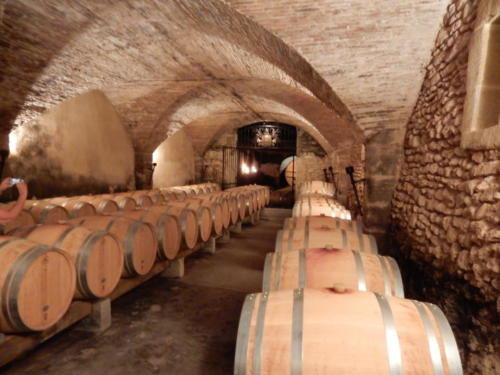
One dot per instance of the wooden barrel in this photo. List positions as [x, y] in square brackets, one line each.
[322, 222]
[169, 196]
[322, 331]
[322, 268]
[216, 215]
[291, 173]
[96, 255]
[137, 240]
[310, 206]
[23, 219]
[224, 204]
[143, 200]
[156, 197]
[37, 284]
[203, 216]
[188, 223]
[317, 187]
[228, 206]
[167, 228]
[125, 203]
[75, 208]
[294, 239]
[45, 212]
[102, 205]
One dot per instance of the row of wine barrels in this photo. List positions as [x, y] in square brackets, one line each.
[166, 226]
[306, 238]
[321, 268]
[137, 240]
[97, 255]
[317, 187]
[187, 220]
[226, 203]
[335, 331]
[322, 222]
[203, 216]
[37, 283]
[316, 206]
[45, 212]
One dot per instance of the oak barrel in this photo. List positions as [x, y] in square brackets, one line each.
[37, 283]
[97, 255]
[167, 228]
[317, 187]
[76, 208]
[322, 222]
[124, 202]
[317, 206]
[137, 240]
[102, 205]
[295, 239]
[203, 216]
[45, 212]
[322, 268]
[321, 331]
[188, 223]
[23, 219]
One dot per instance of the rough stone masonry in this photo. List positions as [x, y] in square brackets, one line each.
[445, 210]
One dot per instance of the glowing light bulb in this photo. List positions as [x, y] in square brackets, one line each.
[254, 169]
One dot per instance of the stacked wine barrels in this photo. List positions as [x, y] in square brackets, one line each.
[80, 247]
[318, 188]
[332, 305]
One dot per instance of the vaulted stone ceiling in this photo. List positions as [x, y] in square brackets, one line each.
[164, 65]
[372, 53]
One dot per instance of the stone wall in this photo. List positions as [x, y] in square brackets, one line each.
[445, 221]
[76, 147]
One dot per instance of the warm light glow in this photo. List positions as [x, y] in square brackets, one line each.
[254, 169]
[245, 169]
[13, 138]
[155, 155]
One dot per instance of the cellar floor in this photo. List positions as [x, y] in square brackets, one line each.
[166, 326]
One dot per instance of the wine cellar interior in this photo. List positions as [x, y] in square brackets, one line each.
[250, 187]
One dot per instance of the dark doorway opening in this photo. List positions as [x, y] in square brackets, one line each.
[262, 148]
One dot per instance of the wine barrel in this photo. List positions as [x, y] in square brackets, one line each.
[187, 221]
[294, 239]
[75, 208]
[216, 214]
[223, 202]
[96, 255]
[136, 238]
[169, 196]
[125, 203]
[156, 197]
[322, 331]
[37, 284]
[167, 229]
[322, 268]
[317, 187]
[322, 222]
[102, 205]
[143, 200]
[203, 216]
[311, 206]
[291, 173]
[23, 219]
[45, 212]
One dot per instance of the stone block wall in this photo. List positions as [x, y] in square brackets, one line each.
[445, 209]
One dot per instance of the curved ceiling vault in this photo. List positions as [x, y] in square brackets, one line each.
[164, 65]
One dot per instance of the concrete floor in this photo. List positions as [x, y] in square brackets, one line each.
[185, 326]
